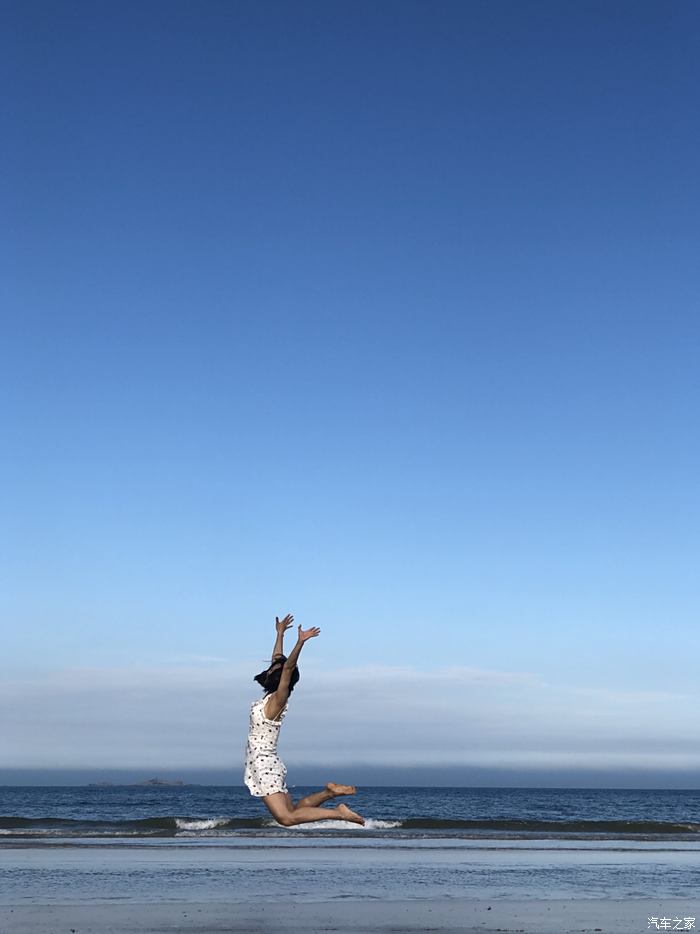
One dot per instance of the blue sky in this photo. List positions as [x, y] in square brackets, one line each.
[381, 314]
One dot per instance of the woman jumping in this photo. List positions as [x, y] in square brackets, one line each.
[265, 772]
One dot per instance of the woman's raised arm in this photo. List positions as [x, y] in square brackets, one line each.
[281, 695]
[281, 626]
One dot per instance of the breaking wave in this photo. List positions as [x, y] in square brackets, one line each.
[197, 826]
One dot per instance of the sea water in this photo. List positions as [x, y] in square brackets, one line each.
[191, 842]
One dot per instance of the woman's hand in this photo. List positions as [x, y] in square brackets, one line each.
[306, 634]
[283, 625]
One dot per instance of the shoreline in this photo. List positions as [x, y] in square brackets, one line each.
[243, 877]
[352, 916]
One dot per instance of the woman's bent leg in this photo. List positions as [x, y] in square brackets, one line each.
[314, 800]
[278, 806]
[332, 790]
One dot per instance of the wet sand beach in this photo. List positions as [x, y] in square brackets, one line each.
[443, 916]
[110, 887]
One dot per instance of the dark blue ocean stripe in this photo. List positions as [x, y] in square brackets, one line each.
[169, 826]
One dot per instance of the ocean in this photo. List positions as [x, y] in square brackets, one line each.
[146, 843]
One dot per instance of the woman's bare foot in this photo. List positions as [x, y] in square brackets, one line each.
[346, 814]
[340, 789]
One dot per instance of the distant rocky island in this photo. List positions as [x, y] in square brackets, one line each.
[160, 781]
[149, 781]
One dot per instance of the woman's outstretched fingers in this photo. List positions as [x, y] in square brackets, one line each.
[283, 625]
[305, 634]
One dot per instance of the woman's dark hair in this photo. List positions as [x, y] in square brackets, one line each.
[270, 678]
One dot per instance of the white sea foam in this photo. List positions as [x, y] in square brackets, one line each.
[369, 824]
[210, 824]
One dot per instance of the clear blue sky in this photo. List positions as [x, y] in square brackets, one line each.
[385, 314]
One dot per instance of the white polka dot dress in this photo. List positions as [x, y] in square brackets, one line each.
[265, 773]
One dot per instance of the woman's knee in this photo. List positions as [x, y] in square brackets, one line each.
[283, 816]
[278, 806]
